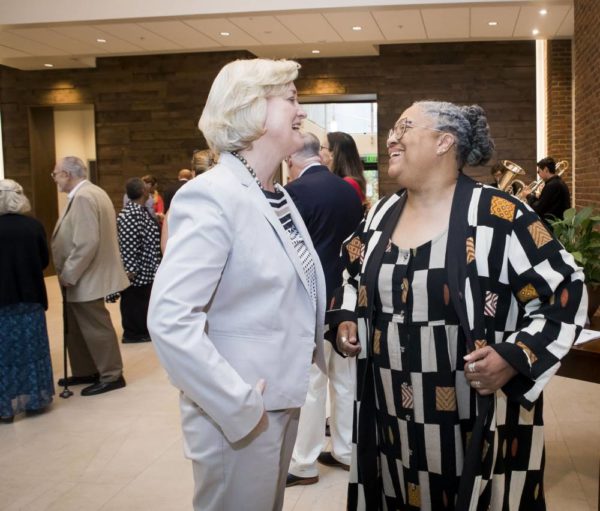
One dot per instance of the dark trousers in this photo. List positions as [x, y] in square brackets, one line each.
[134, 310]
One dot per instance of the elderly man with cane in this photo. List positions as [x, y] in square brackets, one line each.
[89, 267]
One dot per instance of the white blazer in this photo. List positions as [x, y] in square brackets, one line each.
[230, 302]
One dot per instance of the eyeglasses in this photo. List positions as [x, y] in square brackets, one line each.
[55, 173]
[325, 147]
[403, 124]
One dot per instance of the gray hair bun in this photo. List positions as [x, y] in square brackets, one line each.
[482, 145]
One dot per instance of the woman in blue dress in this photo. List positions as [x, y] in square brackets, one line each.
[26, 383]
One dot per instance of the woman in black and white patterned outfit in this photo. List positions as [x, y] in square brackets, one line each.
[459, 304]
[139, 243]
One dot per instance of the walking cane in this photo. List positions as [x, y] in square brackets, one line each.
[66, 393]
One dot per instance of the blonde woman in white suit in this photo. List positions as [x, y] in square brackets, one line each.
[238, 302]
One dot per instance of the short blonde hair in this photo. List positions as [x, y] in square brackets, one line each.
[203, 160]
[12, 198]
[236, 108]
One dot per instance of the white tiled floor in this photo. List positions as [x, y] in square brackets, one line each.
[122, 450]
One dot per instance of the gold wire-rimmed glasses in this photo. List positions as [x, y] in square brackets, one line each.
[403, 124]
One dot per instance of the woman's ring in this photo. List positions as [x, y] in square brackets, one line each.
[344, 339]
[472, 367]
[476, 384]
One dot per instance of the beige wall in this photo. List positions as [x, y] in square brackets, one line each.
[74, 132]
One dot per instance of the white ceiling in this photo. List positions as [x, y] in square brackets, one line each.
[29, 43]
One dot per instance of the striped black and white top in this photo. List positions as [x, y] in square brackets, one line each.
[280, 205]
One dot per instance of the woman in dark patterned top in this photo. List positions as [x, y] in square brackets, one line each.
[459, 304]
[139, 242]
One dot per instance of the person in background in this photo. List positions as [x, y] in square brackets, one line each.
[139, 243]
[150, 201]
[497, 171]
[465, 304]
[26, 383]
[89, 268]
[554, 198]
[237, 308]
[331, 211]
[201, 161]
[183, 176]
[158, 205]
[340, 154]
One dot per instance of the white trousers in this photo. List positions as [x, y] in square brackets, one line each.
[310, 441]
[249, 474]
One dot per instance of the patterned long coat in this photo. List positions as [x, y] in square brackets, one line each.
[514, 288]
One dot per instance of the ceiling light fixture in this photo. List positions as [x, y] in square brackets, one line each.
[535, 31]
[225, 34]
[543, 12]
[316, 51]
[357, 28]
[48, 65]
[100, 40]
[492, 23]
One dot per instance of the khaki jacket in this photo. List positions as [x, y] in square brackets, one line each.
[85, 247]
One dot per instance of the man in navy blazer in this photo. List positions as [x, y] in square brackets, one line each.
[331, 211]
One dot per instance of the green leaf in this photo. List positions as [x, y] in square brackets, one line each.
[578, 257]
[569, 214]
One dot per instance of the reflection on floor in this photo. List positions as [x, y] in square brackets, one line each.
[122, 450]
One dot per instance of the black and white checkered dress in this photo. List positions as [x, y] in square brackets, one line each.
[419, 431]
[416, 342]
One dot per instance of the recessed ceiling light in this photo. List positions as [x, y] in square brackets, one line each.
[100, 40]
[316, 51]
[48, 65]
[535, 31]
[225, 34]
[492, 23]
[543, 12]
[357, 28]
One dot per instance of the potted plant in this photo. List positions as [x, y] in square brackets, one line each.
[578, 232]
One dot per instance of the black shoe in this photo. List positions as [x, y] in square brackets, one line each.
[36, 411]
[102, 387]
[7, 420]
[79, 380]
[326, 458]
[293, 480]
[127, 340]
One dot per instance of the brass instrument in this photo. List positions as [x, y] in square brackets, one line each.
[510, 177]
[538, 184]
[510, 184]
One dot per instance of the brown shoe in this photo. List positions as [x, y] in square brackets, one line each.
[326, 458]
[293, 480]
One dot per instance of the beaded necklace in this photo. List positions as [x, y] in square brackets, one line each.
[250, 169]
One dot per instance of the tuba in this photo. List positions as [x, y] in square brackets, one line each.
[509, 182]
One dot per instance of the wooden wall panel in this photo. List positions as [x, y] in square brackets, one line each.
[147, 107]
